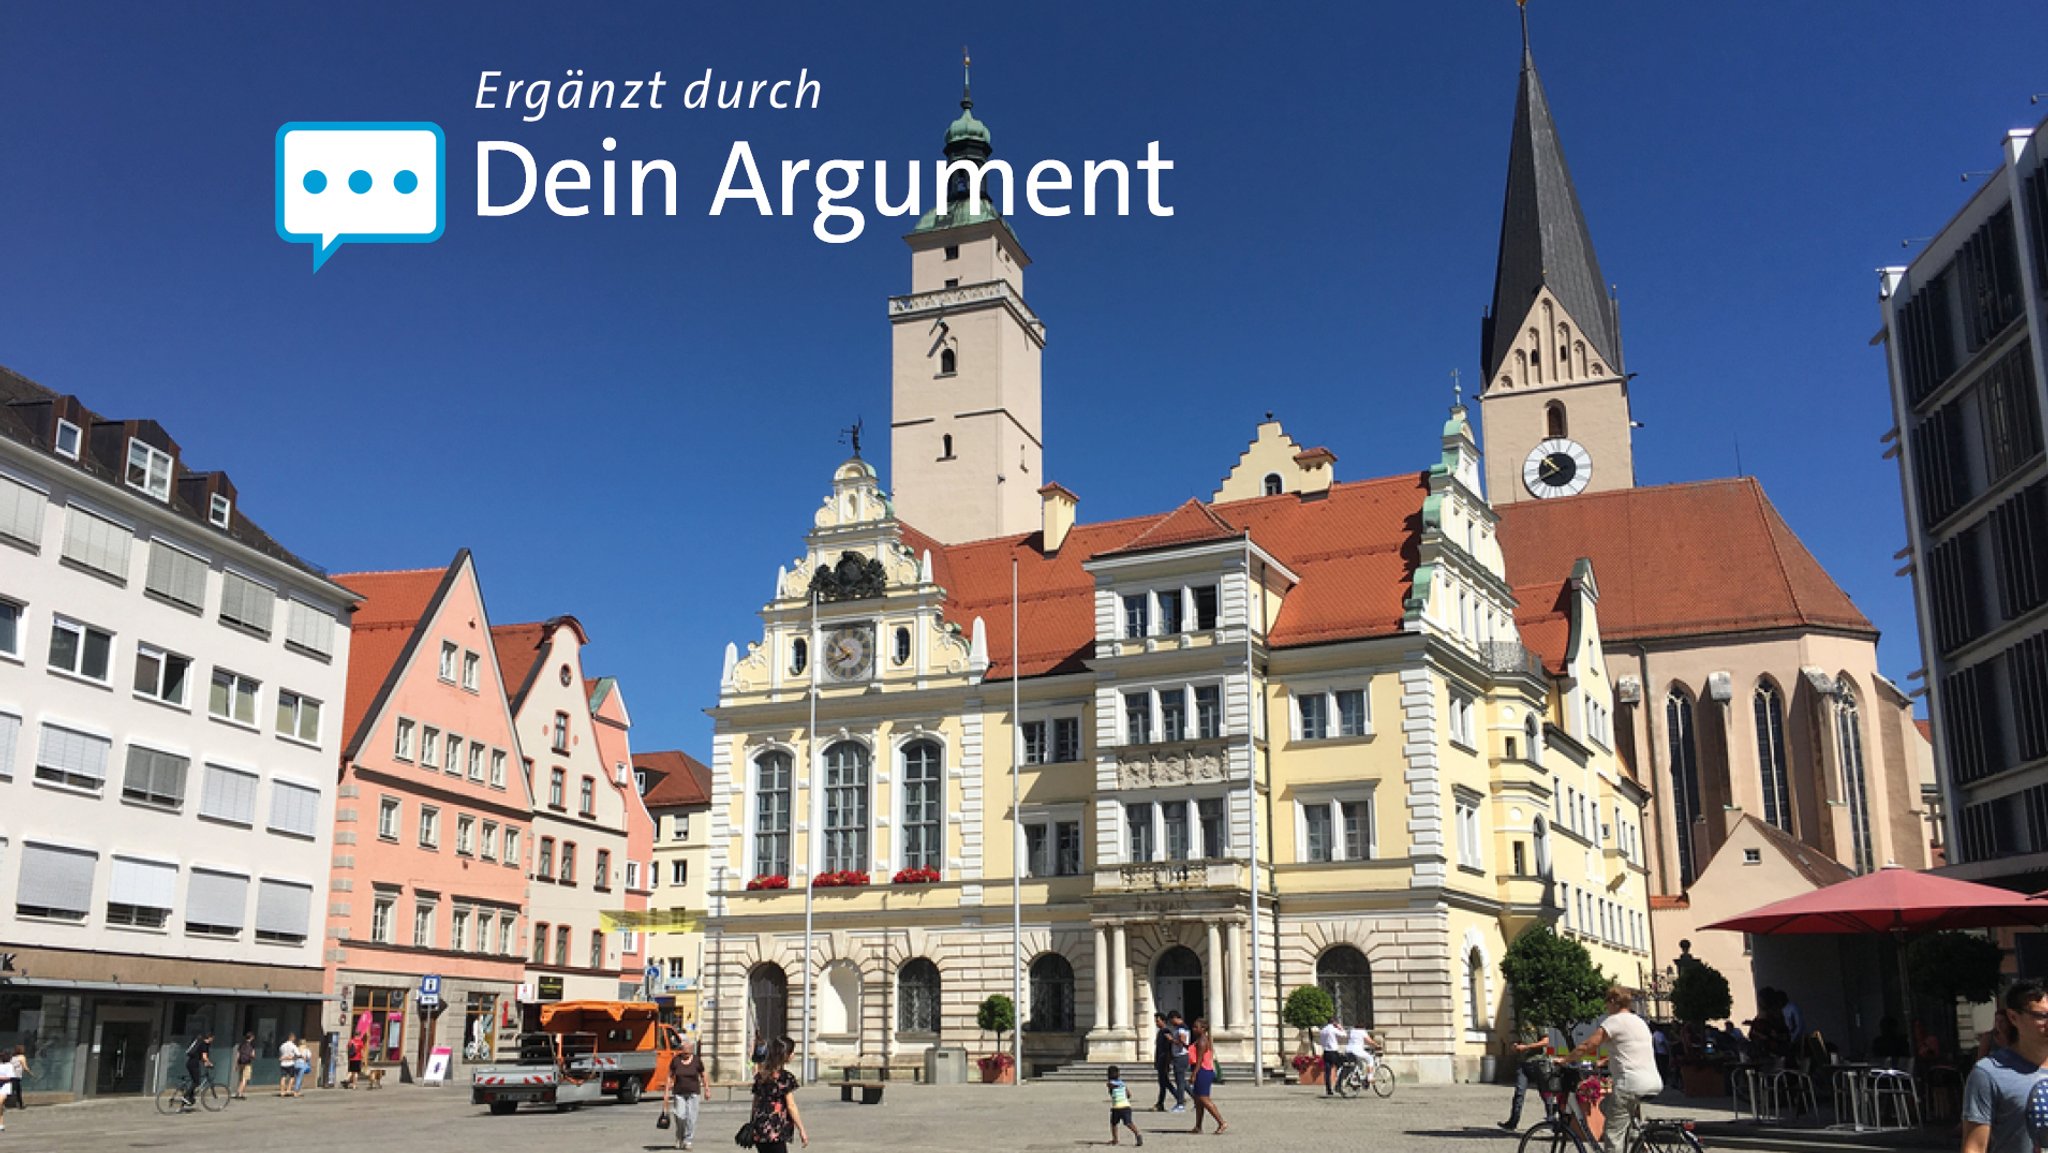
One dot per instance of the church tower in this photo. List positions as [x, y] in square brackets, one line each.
[1555, 398]
[966, 449]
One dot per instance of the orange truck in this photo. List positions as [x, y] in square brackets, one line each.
[586, 1051]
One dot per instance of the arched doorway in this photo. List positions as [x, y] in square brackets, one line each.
[767, 1003]
[1346, 976]
[1177, 983]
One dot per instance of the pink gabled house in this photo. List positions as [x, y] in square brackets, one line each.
[432, 826]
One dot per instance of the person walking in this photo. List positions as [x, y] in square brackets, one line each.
[356, 1048]
[198, 1060]
[775, 1115]
[1162, 1061]
[1120, 1108]
[303, 1067]
[245, 1064]
[19, 1062]
[685, 1091]
[1995, 1095]
[1202, 1055]
[1522, 1050]
[7, 1090]
[1331, 1037]
[1177, 1034]
[1631, 1062]
[287, 1065]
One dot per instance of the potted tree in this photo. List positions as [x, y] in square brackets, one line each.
[998, 1015]
[1307, 1009]
[1698, 995]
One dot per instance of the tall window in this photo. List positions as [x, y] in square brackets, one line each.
[1052, 995]
[1475, 990]
[1849, 739]
[917, 997]
[1554, 424]
[1770, 756]
[846, 807]
[1685, 780]
[923, 793]
[771, 815]
[1345, 975]
[561, 732]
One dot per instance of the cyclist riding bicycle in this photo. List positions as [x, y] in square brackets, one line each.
[198, 1059]
[1361, 1048]
[1632, 1062]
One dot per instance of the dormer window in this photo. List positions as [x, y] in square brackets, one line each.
[149, 469]
[67, 439]
[220, 510]
[952, 252]
[1274, 485]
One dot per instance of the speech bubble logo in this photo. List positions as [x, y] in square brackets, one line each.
[360, 182]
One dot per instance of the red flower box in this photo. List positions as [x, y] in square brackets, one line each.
[918, 876]
[841, 879]
[770, 881]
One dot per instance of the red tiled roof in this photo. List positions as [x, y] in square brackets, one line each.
[1660, 901]
[1680, 560]
[673, 778]
[393, 604]
[1925, 726]
[1353, 548]
[519, 647]
[1543, 616]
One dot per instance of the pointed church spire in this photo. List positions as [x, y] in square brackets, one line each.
[1543, 238]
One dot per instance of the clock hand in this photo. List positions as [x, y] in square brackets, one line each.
[1545, 468]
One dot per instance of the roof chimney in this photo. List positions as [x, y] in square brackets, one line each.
[1058, 509]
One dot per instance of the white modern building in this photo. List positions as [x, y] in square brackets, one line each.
[171, 687]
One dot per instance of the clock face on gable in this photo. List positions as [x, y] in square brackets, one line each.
[1557, 467]
[849, 653]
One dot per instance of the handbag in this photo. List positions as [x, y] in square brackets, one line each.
[662, 1122]
[745, 1137]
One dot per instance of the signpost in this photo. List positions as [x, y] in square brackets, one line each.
[430, 990]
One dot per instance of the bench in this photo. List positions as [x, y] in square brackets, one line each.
[870, 1091]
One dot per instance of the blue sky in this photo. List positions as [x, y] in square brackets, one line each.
[581, 401]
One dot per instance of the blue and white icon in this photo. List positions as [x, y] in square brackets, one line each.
[430, 988]
[360, 182]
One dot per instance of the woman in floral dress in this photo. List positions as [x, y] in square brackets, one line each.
[775, 1114]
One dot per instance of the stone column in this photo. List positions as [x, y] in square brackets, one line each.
[1102, 1000]
[1213, 984]
[1120, 976]
[1234, 949]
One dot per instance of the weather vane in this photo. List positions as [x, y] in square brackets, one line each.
[1457, 390]
[852, 433]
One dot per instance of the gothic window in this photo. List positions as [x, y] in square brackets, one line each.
[1770, 756]
[1345, 975]
[917, 997]
[1274, 485]
[1052, 995]
[923, 796]
[949, 362]
[1553, 420]
[846, 807]
[1685, 779]
[1849, 740]
[771, 815]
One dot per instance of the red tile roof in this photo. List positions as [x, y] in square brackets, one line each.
[382, 629]
[1191, 523]
[1543, 616]
[519, 647]
[673, 778]
[1680, 560]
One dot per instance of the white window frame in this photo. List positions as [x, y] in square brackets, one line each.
[487, 841]
[61, 778]
[220, 511]
[67, 431]
[1333, 802]
[1048, 725]
[298, 705]
[240, 688]
[430, 827]
[465, 835]
[425, 912]
[497, 768]
[450, 653]
[19, 609]
[1191, 716]
[155, 465]
[430, 747]
[1051, 817]
[470, 663]
[1333, 713]
[82, 633]
[1190, 802]
[144, 651]
[401, 739]
[1461, 708]
[511, 854]
[632, 874]
[1465, 808]
[899, 844]
[390, 818]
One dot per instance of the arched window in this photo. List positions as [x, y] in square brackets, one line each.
[1345, 975]
[1475, 989]
[1533, 732]
[839, 1000]
[1274, 485]
[767, 1001]
[917, 997]
[946, 442]
[1849, 743]
[902, 646]
[948, 362]
[1554, 423]
[846, 807]
[1770, 756]
[923, 803]
[1052, 995]
[771, 815]
[1685, 780]
[799, 656]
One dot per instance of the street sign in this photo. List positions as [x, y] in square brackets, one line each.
[430, 989]
[653, 973]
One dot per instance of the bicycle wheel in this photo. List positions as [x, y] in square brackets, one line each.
[1545, 1137]
[213, 1097]
[1343, 1084]
[170, 1100]
[1665, 1139]
[1383, 1081]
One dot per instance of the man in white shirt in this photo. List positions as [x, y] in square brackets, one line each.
[1359, 1046]
[1332, 1037]
[1631, 1062]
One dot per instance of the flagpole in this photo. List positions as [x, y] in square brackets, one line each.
[811, 661]
[1016, 841]
[1251, 750]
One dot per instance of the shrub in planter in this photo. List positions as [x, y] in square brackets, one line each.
[841, 879]
[916, 876]
[997, 1069]
[768, 881]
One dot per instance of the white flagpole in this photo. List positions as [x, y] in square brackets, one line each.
[1251, 686]
[1016, 840]
[816, 788]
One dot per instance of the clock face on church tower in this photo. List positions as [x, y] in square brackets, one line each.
[1557, 467]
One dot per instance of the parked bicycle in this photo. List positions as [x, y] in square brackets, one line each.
[209, 1094]
[1564, 1126]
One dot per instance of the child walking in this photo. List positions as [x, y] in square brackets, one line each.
[1120, 1107]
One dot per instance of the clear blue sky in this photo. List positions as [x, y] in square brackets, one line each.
[579, 400]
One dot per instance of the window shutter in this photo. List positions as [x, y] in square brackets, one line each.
[10, 736]
[155, 776]
[309, 628]
[246, 603]
[21, 512]
[294, 808]
[56, 878]
[147, 884]
[176, 575]
[217, 900]
[228, 795]
[97, 543]
[74, 753]
[283, 908]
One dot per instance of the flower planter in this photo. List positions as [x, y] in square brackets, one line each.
[1007, 1075]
